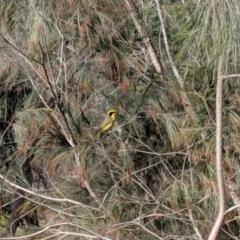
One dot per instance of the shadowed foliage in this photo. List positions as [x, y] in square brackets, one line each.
[63, 65]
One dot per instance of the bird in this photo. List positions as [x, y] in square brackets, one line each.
[107, 124]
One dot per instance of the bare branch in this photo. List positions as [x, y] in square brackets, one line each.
[52, 227]
[185, 99]
[146, 40]
[44, 196]
[233, 191]
[231, 76]
[219, 168]
[194, 225]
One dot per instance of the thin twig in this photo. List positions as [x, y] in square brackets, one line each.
[51, 227]
[194, 225]
[55, 95]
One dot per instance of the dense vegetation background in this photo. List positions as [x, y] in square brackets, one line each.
[64, 64]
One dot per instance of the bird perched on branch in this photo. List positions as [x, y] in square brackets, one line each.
[107, 124]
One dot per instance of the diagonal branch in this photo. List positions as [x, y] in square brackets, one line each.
[45, 197]
[186, 102]
[55, 94]
[30, 61]
[146, 40]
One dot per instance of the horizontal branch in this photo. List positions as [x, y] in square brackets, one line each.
[230, 76]
[93, 235]
[46, 197]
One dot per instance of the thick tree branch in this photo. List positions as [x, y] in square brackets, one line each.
[219, 168]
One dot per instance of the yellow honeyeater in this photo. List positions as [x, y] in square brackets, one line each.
[107, 123]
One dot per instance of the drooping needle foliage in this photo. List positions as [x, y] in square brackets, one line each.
[64, 64]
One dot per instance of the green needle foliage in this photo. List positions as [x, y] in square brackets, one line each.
[63, 65]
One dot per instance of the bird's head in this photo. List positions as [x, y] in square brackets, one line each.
[112, 113]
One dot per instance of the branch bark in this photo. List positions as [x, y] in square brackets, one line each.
[186, 102]
[233, 191]
[219, 168]
[45, 197]
[146, 40]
